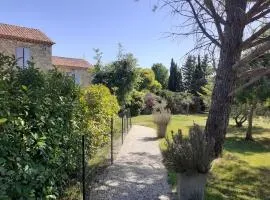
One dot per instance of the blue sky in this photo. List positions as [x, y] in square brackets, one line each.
[78, 26]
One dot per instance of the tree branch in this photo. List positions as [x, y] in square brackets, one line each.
[248, 41]
[258, 7]
[209, 4]
[258, 42]
[259, 16]
[254, 54]
[255, 79]
[201, 26]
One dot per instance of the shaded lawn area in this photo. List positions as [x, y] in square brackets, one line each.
[243, 172]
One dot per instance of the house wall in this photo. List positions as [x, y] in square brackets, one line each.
[85, 76]
[41, 54]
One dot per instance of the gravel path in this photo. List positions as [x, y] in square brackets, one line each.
[137, 173]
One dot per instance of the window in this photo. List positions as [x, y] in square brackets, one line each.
[22, 56]
[75, 75]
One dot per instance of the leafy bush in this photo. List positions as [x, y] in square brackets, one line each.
[193, 154]
[39, 142]
[136, 103]
[42, 118]
[177, 102]
[150, 100]
[120, 76]
[147, 81]
[99, 105]
[162, 118]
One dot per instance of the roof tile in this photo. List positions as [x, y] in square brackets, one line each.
[23, 34]
[70, 62]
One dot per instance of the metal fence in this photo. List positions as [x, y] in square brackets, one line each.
[119, 128]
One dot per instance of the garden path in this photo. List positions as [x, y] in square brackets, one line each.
[137, 173]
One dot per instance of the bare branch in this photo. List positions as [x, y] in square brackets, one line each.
[259, 16]
[250, 82]
[257, 11]
[258, 42]
[254, 54]
[247, 43]
[201, 26]
[216, 17]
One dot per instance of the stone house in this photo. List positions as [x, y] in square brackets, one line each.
[77, 68]
[29, 44]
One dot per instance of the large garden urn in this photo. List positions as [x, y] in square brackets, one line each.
[191, 186]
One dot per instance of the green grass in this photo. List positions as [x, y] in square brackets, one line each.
[243, 172]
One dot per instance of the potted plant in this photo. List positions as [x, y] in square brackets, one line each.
[191, 159]
[162, 118]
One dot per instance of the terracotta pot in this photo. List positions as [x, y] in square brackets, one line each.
[191, 186]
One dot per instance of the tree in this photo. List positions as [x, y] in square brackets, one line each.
[179, 87]
[147, 80]
[188, 72]
[120, 76]
[253, 95]
[223, 25]
[175, 83]
[161, 74]
[198, 79]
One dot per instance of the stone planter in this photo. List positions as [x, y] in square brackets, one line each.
[161, 130]
[191, 186]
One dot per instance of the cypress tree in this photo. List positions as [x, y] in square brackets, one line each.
[179, 81]
[173, 76]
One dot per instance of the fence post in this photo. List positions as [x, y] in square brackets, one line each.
[130, 121]
[83, 167]
[122, 129]
[112, 140]
[127, 121]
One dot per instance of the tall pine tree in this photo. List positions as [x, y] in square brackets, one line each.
[175, 79]
[198, 78]
[179, 81]
[188, 72]
[172, 77]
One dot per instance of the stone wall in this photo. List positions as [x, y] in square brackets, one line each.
[85, 76]
[41, 54]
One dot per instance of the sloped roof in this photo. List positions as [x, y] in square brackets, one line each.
[70, 62]
[24, 34]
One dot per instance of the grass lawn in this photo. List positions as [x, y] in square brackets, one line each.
[243, 172]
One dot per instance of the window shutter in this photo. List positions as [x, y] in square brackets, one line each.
[77, 78]
[19, 56]
[26, 56]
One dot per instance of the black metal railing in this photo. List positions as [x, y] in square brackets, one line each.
[119, 128]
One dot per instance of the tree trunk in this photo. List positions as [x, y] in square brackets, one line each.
[250, 121]
[239, 124]
[230, 53]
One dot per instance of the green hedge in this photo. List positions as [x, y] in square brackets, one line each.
[42, 117]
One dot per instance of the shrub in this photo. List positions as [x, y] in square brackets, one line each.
[178, 102]
[99, 105]
[42, 118]
[194, 154]
[136, 103]
[150, 100]
[39, 140]
[161, 117]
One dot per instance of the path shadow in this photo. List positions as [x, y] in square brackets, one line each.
[149, 139]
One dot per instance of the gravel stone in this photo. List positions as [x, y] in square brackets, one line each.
[137, 173]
